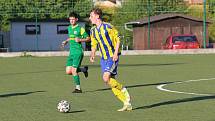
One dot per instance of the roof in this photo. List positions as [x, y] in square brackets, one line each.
[39, 20]
[162, 17]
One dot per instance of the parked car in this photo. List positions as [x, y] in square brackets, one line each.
[184, 41]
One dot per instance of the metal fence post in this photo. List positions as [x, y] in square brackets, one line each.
[204, 25]
[36, 23]
[148, 4]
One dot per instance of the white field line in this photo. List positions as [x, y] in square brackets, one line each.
[161, 87]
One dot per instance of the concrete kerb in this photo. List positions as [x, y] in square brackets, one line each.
[166, 52]
[124, 52]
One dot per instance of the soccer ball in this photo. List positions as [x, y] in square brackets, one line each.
[63, 106]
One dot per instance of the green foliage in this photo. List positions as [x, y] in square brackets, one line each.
[212, 33]
[211, 16]
[83, 11]
[197, 11]
[46, 9]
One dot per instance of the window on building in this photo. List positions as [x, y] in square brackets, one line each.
[31, 29]
[62, 29]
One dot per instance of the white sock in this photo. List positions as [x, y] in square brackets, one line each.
[78, 87]
[125, 91]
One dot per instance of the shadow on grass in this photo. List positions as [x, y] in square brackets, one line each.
[31, 72]
[152, 64]
[176, 102]
[90, 66]
[78, 111]
[131, 86]
[18, 94]
[141, 64]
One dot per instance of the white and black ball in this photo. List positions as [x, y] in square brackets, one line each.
[63, 106]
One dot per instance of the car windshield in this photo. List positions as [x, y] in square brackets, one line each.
[184, 38]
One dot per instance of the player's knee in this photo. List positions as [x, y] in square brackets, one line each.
[69, 72]
[74, 71]
[106, 79]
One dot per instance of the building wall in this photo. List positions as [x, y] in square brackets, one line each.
[48, 39]
[159, 31]
[138, 41]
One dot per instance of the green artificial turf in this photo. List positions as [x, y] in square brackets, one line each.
[31, 87]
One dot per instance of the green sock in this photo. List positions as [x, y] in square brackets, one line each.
[76, 79]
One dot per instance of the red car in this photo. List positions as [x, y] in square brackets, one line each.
[185, 41]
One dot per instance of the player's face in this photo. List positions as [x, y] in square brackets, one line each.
[73, 20]
[93, 17]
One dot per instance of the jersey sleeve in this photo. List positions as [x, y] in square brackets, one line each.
[94, 42]
[113, 31]
[84, 33]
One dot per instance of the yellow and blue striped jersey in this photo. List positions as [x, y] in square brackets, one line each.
[105, 37]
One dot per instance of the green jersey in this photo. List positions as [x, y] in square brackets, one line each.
[76, 32]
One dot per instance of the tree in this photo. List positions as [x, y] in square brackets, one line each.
[42, 9]
[211, 15]
[83, 7]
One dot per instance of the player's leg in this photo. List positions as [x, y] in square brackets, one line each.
[77, 59]
[115, 86]
[76, 79]
[72, 71]
[109, 69]
[113, 80]
[69, 70]
[69, 65]
[83, 69]
[119, 91]
[127, 100]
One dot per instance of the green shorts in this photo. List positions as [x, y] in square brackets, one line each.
[74, 60]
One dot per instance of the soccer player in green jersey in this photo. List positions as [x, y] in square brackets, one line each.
[107, 39]
[77, 34]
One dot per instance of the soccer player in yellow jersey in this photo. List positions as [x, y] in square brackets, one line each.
[106, 38]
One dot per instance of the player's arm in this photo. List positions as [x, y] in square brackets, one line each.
[87, 39]
[116, 37]
[65, 42]
[92, 55]
[93, 47]
[115, 55]
[85, 36]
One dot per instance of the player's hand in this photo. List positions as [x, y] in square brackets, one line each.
[92, 59]
[115, 57]
[63, 44]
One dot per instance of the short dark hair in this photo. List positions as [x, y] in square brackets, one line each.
[97, 11]
[73, 14]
